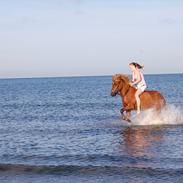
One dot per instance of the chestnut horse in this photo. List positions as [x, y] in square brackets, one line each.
[149, 99]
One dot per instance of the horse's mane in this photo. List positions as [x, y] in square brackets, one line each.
[124, 78]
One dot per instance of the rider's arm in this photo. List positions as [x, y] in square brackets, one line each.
[138, 78]
[133, 77]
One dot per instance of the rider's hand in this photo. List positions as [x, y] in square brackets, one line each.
[131, 84]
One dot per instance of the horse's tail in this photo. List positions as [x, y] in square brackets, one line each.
[162, 102]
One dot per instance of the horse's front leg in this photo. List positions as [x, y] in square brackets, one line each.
[128, 115]
[127, 109]
[122, 113]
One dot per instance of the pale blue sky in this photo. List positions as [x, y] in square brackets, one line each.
[80, 37]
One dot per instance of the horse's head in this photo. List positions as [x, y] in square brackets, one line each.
[118, 82]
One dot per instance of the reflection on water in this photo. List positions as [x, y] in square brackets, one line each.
[140, 141]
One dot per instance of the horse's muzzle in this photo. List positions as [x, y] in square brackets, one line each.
[113, 94]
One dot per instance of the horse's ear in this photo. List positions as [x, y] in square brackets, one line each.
[126, 76]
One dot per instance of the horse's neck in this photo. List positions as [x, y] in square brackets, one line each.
[125, 89]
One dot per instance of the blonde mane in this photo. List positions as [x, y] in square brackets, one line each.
[124, 77]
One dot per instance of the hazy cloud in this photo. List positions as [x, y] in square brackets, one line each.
[168, 20]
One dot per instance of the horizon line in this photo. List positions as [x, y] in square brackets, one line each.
[77, 76]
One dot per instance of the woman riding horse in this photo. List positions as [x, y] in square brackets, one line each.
[139, 81]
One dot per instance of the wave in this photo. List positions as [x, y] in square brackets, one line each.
[170, 115]
[91, 170]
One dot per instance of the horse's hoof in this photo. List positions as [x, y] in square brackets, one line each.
[122, 111]
[128, 120]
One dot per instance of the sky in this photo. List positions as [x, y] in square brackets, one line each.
[51, 38]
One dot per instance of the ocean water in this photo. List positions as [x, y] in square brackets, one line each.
[70, 130]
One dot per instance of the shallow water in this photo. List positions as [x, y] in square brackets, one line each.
[70, 130]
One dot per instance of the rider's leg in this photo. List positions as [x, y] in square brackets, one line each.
[137, 94]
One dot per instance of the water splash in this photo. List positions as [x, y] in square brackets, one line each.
[171, 115]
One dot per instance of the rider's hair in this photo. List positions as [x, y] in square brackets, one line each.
[137, 65]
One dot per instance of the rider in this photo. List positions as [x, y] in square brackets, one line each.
[139, 81]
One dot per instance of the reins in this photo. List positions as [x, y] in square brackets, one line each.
[127, 89]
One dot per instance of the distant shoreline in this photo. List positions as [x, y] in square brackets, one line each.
[82, 76]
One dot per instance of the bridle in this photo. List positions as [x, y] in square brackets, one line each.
[118, 90]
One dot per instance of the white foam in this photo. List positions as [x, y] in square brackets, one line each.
[171, 115]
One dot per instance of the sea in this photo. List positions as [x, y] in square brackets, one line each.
[69, 129]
